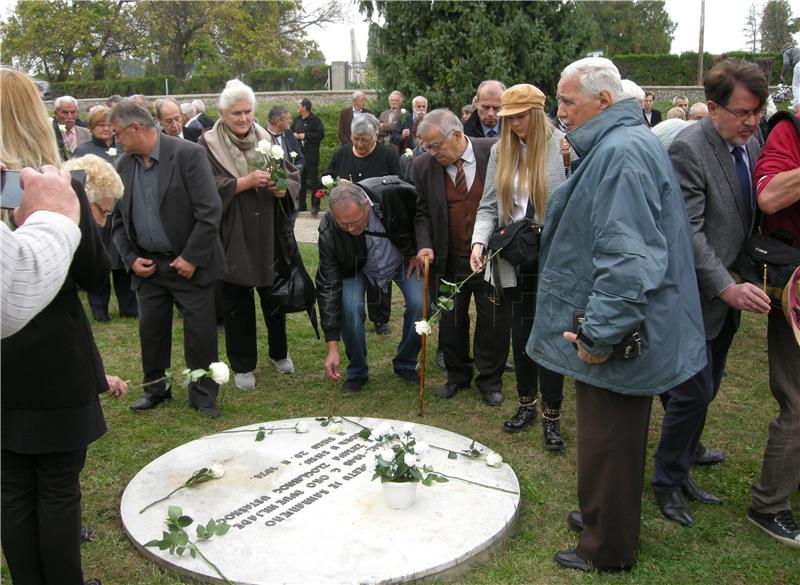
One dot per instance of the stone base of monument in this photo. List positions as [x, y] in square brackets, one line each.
[303, 509]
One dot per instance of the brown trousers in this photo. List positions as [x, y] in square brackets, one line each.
[612, 442]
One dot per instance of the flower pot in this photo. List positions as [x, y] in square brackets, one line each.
[399, 495]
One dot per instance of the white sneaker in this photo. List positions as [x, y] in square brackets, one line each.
[244, 380]
[284, 366]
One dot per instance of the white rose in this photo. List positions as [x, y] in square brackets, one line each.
[112, 152]
[335, 428]
[219, 372]
[217, 471]
[421, 448]
[301, 427]
[410, 459]
[408, 153]
[408, 428]
[403, 111]
[276, 152]
[387, 455]
[264, 146]
[62, 128]
[493, 460]
[382, 430]
[293, 154]
[422, 327]
[327, 181]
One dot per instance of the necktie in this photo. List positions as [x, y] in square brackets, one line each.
[745, 183]
[491, 133]
[71, 138]
[461, 178]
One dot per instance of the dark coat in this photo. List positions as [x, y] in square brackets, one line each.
[381, 161]
[345, 120]
[473, 128]
[190, 133]
[655, 118]
[51, 369]
[431, 222]
[343, 256]
[190, 209]
[314, 132]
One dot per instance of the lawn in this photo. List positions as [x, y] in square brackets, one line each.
[722, 547]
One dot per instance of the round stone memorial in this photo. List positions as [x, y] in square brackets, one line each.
[302, 508]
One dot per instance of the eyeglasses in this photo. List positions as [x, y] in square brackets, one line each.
[742, 115]
[352, 225]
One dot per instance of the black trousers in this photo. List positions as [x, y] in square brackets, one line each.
[685, 414]
[309, 177]
[490, 343]
[612, 442]
[379, 304]
[520, 305]
[41, 517]
[126, 298]
[157, 296]
[240, 326]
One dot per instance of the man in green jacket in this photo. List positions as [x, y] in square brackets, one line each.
[618, 308]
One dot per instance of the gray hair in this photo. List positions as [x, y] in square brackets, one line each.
[160, 104]
[364, 124]
[632, 89]
[500, 85]
[698, 108]
[199, 106]
[128, 111]
[236, 91]
[443, 120]
[397, 93]
[667, 130]
[344, 193]
[418, 98]
[276, 112]
[354, 96]
[680, 96]
[64, 99]
[596, 74]
[188, 110]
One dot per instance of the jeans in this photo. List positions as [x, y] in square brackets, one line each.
[353, 317]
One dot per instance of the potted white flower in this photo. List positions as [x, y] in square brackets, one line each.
[398, 463]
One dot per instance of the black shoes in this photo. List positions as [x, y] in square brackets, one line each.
[695, 494]
[575, 521]
[674, 508]
[448, 390]
[439, 363]
[551, 429]
[525, 416]
[410, 377]
[353, 385]
[781, 526]
[382, 329]
[148, 402]
[492, 397]
[209, 411]
[706, 456]
[569, 559]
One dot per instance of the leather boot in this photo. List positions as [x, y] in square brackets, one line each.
[551, 427]
[525, 415]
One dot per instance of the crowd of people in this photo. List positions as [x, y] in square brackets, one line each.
[632, 292]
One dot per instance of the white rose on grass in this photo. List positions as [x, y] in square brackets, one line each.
[276, 152]
[410, 459]
[219, 372]
[111, 152]
[62, 128]
[264, 146]
[408, 153]
[334, 428]
[493, 460]
[301, 427]
[422, 327]
[387, 455]
[421, 448]
[217, 471]
[327, 181]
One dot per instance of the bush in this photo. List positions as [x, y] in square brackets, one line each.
[274, 79]
[682, 69]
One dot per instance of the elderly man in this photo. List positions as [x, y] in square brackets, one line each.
[72, 136]
[166, 227]
[404, 135]
[367, 236]
[484, 122]
[698, 111]
[310, 131]
[200, 120]
[279, 120]
[358, 99]
[450, 178]
[714, 160]
[389, 118]
[618, 307]
[169, 117]
[681, 101]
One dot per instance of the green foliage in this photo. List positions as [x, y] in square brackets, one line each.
[444, 49]
[282, 79]
[628, 27]
[777, 25]
[682, 69]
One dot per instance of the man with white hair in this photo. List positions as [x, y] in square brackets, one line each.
[404, 136]
[698, 111]
[618, 308]
[358, 99]
[200, 120]
[69, 135]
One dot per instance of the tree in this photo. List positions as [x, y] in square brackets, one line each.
[619, 28]
[777, 25]
[750, 29]
[443, 49]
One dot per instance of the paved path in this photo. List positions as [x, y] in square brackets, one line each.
[305, 228]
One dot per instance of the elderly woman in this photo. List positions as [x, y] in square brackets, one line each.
[102, 145]
[364, 159]
[252, 208]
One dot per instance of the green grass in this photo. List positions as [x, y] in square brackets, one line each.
[722, 548]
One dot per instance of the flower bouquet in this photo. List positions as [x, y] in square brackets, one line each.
[328, 183]
[271, 161]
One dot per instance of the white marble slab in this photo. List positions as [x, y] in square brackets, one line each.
[303, 510]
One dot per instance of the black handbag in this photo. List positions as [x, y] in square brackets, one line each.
[518, 241]
[768, 262]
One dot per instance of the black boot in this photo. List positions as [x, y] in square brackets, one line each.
[525, 415]
[551, 426]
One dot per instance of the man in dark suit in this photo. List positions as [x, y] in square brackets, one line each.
[651, 116]
[714, 160]
[309, 130]
[168, 116]
[359, 98]
[449, 178]
[278, 122]
[405, 132]
[166, 227]
[484, 122]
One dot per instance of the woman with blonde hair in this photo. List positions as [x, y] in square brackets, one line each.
[525, 167]
[51, 377]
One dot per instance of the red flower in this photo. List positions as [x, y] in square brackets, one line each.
[320, 194]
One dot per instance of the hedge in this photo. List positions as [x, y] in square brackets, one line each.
[682, 69]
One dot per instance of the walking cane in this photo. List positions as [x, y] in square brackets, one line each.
[421, 401]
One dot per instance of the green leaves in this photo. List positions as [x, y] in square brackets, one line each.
[260, 434]
[211, 529]
[364, 433]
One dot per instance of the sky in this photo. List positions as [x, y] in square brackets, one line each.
[723, 27]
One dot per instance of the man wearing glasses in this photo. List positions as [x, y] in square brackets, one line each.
[714, 160]
[484, 122]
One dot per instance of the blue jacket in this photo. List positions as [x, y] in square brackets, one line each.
[617, 243]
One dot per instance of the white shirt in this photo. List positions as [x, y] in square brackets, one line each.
[469, 165]
[34, 264]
